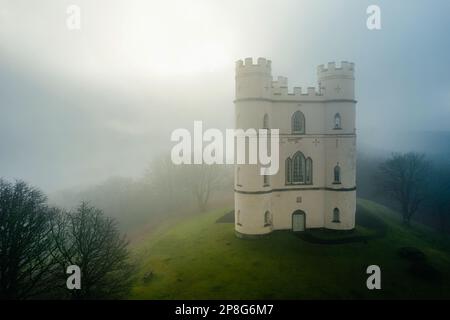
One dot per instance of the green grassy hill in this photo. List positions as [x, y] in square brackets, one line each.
[198, 258]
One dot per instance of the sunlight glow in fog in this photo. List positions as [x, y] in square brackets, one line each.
[138, 38]
[176, 37]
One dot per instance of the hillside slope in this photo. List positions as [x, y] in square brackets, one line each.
[198, 258]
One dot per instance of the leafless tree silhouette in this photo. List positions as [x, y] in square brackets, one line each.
[404, 178]
[90, 240]
[27, 251]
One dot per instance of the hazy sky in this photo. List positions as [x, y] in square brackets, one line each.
[79, 106]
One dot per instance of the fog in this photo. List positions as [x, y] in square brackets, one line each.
[78, 107]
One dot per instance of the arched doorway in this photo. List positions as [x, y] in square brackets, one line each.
[298, 221]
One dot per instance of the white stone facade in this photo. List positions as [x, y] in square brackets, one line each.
[315, 186]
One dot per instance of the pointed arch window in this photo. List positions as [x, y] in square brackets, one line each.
[267, 219]
[308, 171]
[298, 123]
[336, 215]
[238, 177]
[337, 121]
[266, 121]
[299, 169]
[238, 218]
[337, 174]
[288, 171]
[298, 174]
[266, 181]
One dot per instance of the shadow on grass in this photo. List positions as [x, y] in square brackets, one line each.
[375, 226]
[227, 218]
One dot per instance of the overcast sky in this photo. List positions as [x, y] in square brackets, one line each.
[79, 106]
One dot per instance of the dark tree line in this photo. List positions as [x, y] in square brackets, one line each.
[38, 243]
[439, 195]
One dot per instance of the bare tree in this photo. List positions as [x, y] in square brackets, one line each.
[27, 266]
[90, 240]
[202, 180]
[403, 177]
[178, 185]
[164, 181]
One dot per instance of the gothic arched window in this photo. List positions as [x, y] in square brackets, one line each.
[337, 121]
[298, 122]
[266, 121]
[336, 215]
[238, 173]
[308, 170]
[288, 171]
[298, 172]
[266, 181]
[267, 219]
[337, 174]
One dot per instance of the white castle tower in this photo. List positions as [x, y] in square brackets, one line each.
[315, 186]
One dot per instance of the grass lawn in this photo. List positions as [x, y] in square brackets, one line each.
[197, 258]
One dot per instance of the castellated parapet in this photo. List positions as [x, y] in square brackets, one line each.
[337, 82]
[315, 186]
[345, 68]
[247, 66]
[334, 82]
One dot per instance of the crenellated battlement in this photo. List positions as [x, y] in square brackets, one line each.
[346, 68]
[254, 80]
[280, 82]
[280, 90]
[297, 93]
[247, 66]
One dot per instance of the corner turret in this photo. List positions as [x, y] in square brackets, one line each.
[253, 80]
[337, 82]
